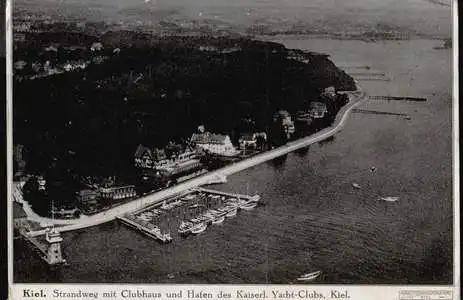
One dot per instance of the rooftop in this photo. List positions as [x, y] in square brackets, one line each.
[208, 138]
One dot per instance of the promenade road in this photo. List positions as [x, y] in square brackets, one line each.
[111, 214]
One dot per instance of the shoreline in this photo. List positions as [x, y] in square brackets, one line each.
[157, 197]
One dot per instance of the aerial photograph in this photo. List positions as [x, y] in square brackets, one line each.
[232, 142]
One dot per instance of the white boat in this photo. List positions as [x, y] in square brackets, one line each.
[255, 198]
[218, 220]
[185, 227]
[232, 212]
[189, 197]
[356, 186]
[201, 227]
[310, 276]
[390, 199]
[249, 205]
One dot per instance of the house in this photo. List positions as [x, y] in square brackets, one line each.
[181, 164]
[317, 110]
[20, 64]
[330, 92]
[65, 213]
[96, 46]
[36, 66]
[252, 141]
[150, 158]
[87, 197]
[118, 192]
[248, 141]
[42, 183]
[19, 37]
[286, 121]
[99, 59]
[212, 143]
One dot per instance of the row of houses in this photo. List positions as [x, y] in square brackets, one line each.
[89, 199]
[189, 159]
[48, 69]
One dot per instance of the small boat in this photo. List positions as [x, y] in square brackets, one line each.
[185, 227]
[195, 206]
[389, 199]
[310, 276]
[408, 118]
[356, 186]
[372, 169]
[249, 205]
[201, 227]
[232, 212]
[218, 220]
[255, 198]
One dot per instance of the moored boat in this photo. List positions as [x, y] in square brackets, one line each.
[389, 199]
[218, 220]
[356, 186]
[201, 227]
[309, 276]
[185, 228]
[249, 205]
[255, 198]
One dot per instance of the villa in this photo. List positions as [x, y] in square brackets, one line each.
[216, 144]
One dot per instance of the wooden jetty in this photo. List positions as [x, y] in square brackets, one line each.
[146, 228]
[372, 78]
[231, 195]
[376, 112]
[397, 98]
[367, 73]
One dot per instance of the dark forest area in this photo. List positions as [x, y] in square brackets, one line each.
[156, 90]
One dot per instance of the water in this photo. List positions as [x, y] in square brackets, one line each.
[313, 218]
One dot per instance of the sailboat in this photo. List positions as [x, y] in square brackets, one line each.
[356, 186]
[389, 198]
[309, 276]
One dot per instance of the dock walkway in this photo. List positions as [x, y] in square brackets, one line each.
[146, 228]
[397, 98]
[231, 195]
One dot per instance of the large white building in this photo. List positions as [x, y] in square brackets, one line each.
[217, 144]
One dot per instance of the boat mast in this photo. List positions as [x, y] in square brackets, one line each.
[53, 213]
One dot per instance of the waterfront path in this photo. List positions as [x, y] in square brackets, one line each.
[355, 100]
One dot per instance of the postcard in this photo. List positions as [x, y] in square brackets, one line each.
[247, 149]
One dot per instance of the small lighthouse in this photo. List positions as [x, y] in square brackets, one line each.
[54, 240]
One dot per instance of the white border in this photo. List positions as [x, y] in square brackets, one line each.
[361, 291]
[9, 132]
[456, 156]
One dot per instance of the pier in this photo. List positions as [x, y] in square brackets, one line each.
[397, 98]
[371, 78]
[198, 206]
[231, 195]
[146, 228]
[376, 112]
